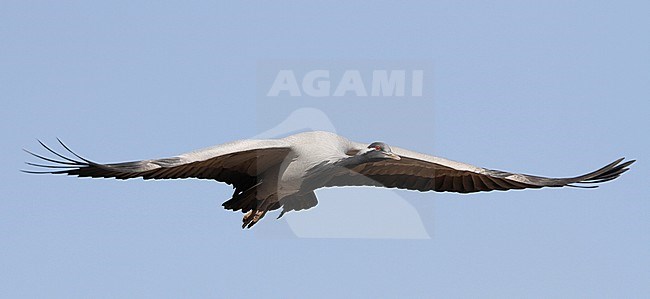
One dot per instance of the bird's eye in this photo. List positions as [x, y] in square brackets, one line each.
[377, 147]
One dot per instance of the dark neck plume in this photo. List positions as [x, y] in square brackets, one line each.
[353, 161]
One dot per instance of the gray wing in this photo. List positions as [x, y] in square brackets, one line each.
[236, 163]
[422, 172]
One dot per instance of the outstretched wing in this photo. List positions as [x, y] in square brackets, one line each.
[422, 172]
[236, 163]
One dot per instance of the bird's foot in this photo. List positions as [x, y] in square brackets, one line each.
[252, 217]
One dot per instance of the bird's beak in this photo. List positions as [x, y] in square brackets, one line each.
[393, 156]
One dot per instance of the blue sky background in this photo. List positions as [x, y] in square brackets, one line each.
[551, 88]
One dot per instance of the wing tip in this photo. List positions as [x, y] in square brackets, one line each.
[605, 174]
[67, 165]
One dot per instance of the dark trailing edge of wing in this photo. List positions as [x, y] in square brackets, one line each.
[242, 175]
[448, 179]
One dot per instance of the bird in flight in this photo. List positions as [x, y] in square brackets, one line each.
[283, 173]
